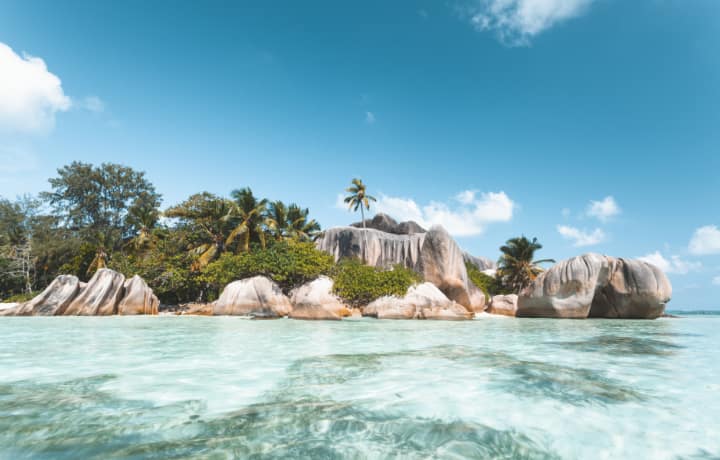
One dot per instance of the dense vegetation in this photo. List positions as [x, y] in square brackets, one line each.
[360, 284]
[490, 285]
[110, 216]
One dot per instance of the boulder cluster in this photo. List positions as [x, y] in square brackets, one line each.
[107, 293]
[591, 285]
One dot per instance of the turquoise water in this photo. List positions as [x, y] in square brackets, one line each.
[216, 388]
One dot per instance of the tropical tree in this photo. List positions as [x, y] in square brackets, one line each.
[93, 202]
[359, 199]
[276, 220]
[247, 215]
[205, 217]
[299, 226]
[143, 216]
[517, 267]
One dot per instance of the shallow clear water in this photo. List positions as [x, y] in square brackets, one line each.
[196, 387]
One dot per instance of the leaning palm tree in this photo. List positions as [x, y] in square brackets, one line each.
[248, 217]
[516, 267]
[358, 198]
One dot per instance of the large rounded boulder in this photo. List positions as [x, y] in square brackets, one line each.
[138, 298]
[423, 301]
[52, 301]
[443, 264]
[505, 305]
[100, 297]
[258, 297]
[315, 300]
[594, 285]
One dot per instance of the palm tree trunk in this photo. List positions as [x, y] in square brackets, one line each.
[362, 217]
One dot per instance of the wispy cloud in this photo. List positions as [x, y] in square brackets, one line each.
[716, 280]
[516, 22]
[467, 214]
[705, 241]
[582, 237]
[30, 95]
[369, 118]
[604, 209]
[672, 265]
[93, 104]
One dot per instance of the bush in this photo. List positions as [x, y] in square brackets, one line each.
[489, 285]
[360, 284]
[288, 263]
[20, 298]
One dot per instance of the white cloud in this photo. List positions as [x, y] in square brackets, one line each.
[581, 237]
[93, 104]
[716, 280]
[469, 214]
[369, 118]
[29, 94]
[673, 265]
[516, 22]
[603, 210]
[705, 241]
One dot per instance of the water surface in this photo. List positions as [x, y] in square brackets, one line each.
[197, 387]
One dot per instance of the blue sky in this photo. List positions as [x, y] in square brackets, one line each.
[591, 124]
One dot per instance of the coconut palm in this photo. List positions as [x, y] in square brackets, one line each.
[247, 215]
[359, 199]
[298, 224]
[143, 216]
[206, 215]
[516, 267]
[276, 219]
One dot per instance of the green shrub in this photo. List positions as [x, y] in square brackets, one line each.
[288, 263]
[360, 284]
[20, 298]
[489, 285]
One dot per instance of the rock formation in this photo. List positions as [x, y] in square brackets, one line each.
[106, 293]
[505, 305]
[423, 301]
[54, 299]
[100, 297]
[315, 300]
[433, 254]
[258, 297]
[594, 285]
[138, 298]
[387, 224]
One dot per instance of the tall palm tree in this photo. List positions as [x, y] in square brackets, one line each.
[517, 267]
[206, 214]
[359, 198]
[248, 218]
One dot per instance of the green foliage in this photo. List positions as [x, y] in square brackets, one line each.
[20, 298]
[490, 286]
[288, 263]
[360, 284]
[517, 267]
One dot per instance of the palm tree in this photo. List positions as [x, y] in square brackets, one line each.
[276, 219]
[247, 214]
[358, 198]
[516, 267]
[206, 214]
[298, 225]
[143, 216]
